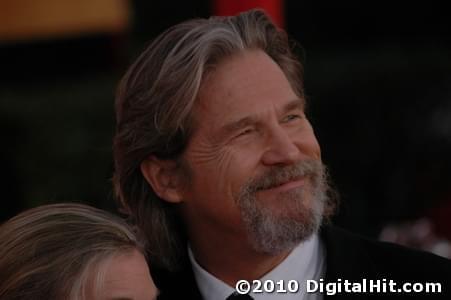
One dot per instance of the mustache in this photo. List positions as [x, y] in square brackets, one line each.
[279, 175]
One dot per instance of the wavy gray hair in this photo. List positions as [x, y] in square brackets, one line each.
[154, 106]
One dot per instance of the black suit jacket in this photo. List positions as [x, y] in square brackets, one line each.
[348, 257]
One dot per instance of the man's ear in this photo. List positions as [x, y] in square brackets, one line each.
[163, 176]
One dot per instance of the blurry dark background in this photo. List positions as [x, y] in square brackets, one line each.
[378, 76]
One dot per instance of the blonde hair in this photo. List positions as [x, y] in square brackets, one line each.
[52, 251]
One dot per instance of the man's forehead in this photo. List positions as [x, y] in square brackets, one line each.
[207, 105]
[244, 74]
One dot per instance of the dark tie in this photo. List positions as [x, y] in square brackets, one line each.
[237, 296]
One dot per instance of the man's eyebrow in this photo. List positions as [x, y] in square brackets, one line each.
[294, 104]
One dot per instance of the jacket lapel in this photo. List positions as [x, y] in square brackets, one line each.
[346, 259]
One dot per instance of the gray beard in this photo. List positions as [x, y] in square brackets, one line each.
[274, 232]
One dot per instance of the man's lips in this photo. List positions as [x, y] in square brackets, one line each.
[286, 186]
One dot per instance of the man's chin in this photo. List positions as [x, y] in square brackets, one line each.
[280, 218]
[278, 244]
[273, 231]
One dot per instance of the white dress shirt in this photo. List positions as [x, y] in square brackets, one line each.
[306, 261]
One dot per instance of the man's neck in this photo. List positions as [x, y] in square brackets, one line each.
[231, 260]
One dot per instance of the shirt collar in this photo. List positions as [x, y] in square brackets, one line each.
[305, 261]
[210, 287]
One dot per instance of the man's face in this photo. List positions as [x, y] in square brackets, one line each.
[254, 160]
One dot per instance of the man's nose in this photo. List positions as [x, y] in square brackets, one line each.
[280, 149]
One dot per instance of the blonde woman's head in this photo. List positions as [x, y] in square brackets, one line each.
[71, 251]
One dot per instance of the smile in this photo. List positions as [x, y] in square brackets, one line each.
[289, 185]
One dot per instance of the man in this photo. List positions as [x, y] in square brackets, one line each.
[219, 167]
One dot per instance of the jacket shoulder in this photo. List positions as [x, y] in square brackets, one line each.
[383, 258]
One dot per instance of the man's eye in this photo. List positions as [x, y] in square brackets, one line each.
[292, 118]
[245, 132]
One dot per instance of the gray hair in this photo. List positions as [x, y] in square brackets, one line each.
[154, 110]
[52, 251]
